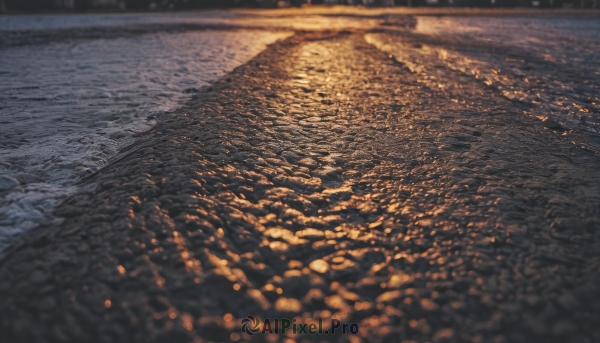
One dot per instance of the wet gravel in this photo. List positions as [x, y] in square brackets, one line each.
[66, 109]
[324, 178]
[546, 67]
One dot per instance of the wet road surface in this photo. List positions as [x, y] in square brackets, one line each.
[66, 109]
[326, 178]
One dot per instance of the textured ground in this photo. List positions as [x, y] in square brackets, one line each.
[324, 179]
[67, 108]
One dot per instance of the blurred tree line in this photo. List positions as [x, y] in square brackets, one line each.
[90, 5]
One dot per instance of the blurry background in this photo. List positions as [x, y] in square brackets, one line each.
[153, 5]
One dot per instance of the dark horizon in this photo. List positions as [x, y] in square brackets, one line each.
[82, 6]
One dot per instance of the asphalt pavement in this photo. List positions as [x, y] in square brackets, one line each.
[326, 178]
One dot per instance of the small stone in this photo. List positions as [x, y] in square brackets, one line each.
[552, 124]
[338, 260]
[344, 267]
[298, 183]
[335, 302]
[361, 155]
[290, 156]
[8, 182]
[313, 119]
[443, 335]
[428, 305]
[425, 223]
[288, 305]
[375, 225]
[308, 162]
[327, 173]
[279, 246]
[398, 280]
[310, 233]
[388, 296]
[319, 266]
[28, 178]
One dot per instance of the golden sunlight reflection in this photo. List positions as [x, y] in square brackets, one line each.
[357, 169]
[191, 264]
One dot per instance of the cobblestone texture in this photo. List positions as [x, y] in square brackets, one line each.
[323, 179]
